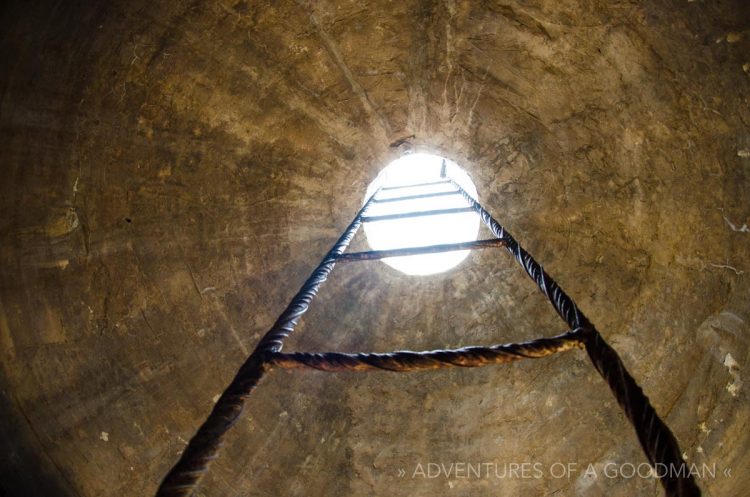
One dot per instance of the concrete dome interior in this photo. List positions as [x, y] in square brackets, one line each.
[173, 171]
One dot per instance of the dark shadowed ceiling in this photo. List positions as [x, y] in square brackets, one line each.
[172, 172]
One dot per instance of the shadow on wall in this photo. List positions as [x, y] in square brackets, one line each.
[21, 452]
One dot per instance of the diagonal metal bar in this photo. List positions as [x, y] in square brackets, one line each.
[562, 303]
[416, 185]
[414, 197]
[429, 249]
[203, 448]
[658, 442]
[405, 215]
[407, 360]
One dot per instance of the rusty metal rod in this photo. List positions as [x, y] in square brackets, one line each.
[430, 249]
[405, 215]
[657, 440]
[406, 360]
[203, 448]
[415, 197]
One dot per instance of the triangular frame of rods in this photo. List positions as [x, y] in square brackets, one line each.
[657, 441]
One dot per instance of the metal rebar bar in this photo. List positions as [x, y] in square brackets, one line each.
[406, 360]
[430, 249]
[417, 185]
[205, 444]
[414, 197]
[656, 439]
[405, 215]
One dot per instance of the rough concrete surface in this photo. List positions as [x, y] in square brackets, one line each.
[172, 171]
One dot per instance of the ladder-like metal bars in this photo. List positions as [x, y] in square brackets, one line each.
[657, 441]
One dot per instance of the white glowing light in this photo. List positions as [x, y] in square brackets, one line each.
[421, 231]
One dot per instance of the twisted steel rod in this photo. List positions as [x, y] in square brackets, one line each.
[205, 444]
[429, 249]
[404, 215]
[656, 439]
[406, 360]
[416, 185]
[415, 197]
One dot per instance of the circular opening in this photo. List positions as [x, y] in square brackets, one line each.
[394, 182]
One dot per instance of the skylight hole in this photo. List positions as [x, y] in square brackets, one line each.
[417, 169]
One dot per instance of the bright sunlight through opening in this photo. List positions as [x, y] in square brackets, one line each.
[417, 169]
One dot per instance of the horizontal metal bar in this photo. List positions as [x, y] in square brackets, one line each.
[430, 249]
[407, 360]
[416, 185]
[414, 197]
[403, 215]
